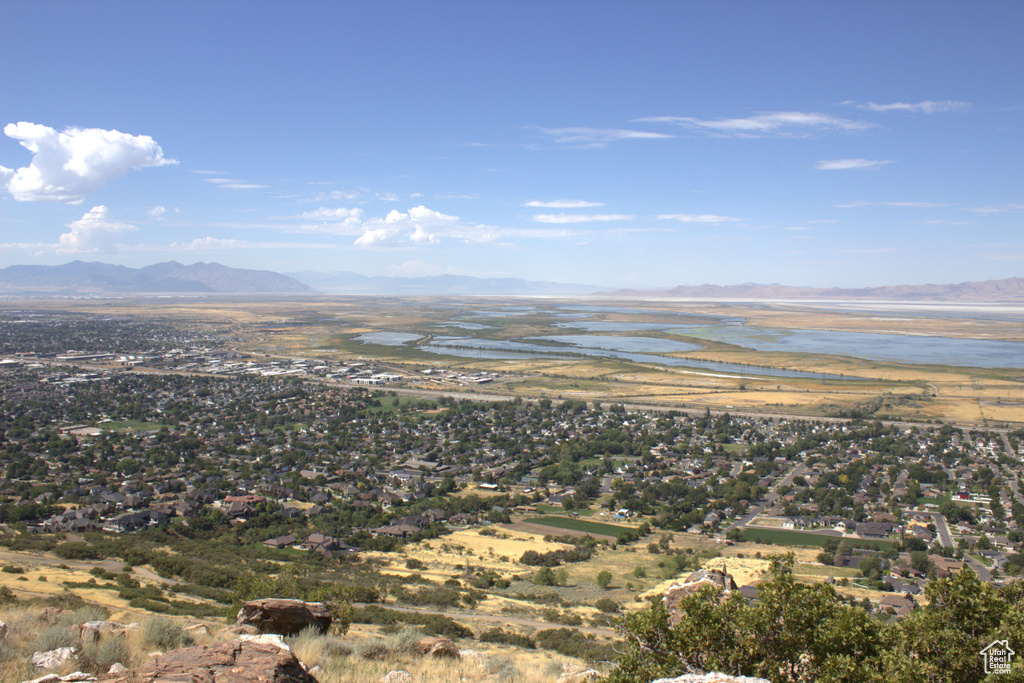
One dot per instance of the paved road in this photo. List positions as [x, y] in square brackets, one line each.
[757, 508]
[945, 537]
[981, 570]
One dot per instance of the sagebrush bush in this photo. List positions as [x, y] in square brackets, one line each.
[503, 669]
[99, 657]
[165, 634]
[83, 614]
[402, 642]
[55, 637]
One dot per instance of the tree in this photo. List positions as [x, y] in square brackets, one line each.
[794, 632]
[604, 579]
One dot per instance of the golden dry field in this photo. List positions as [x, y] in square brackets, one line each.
[326, 328]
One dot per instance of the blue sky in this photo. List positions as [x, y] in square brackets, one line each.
[623, 144]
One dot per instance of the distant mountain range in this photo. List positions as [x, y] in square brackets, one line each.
[97, 279]
[1009, 290]
[345, 282]
[80, 278]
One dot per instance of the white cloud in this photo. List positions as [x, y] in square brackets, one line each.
[781, 123]
[599, 137]
[232, 184]
[157, 211]
[93, 232]
[563, 204]
[697, 218]
[1007, 208]
[926, 107]
[68, 165]
[325, 214]
[906, 205]
[562, 218]
[846, 164]
[417, 227]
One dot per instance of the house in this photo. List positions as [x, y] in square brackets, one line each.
[898, 605]
[874, 529]
[280, 541]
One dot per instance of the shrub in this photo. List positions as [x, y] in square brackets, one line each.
[572, 643]
[83, 614]
[77, 551]
[165, 634]
[502, 637]
[55, 637]
[12, 569]
[99, 657]
[607, 605]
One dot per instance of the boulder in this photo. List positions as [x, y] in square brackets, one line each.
[397, 677]
[3, 629]
[231, 662]
[285, 617]
[435, 646]
[92, 631]
[266, 639]
[54, 659]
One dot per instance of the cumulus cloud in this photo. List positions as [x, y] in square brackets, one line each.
[778, 123]
[845, 164]
[416, 227]
[157, 211]
[68, 165]
[697, 218]
[562, 218]
[93, 232]
[563, 204]
[926, 107]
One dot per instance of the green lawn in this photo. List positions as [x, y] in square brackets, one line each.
[580, 525]
[787, 537]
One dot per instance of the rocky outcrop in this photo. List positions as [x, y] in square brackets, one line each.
[284, 617]
[718, 579]
[232, 662]
[91, 631]
[433, 646]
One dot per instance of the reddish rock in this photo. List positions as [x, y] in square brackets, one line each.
[233, 662]
[285, 617]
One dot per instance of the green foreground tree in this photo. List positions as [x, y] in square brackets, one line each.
[798, 632]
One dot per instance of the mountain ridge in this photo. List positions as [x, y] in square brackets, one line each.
[169, 277]
[1007, 290]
